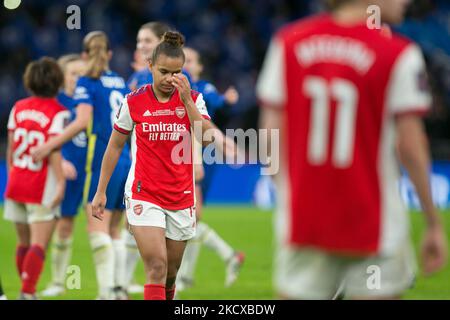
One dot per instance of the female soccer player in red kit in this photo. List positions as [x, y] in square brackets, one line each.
[160, 199]
[345, 98]
[35, 189]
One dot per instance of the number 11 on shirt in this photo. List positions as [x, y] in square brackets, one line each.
[321, 92]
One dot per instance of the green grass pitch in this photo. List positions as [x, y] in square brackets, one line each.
[245, 228]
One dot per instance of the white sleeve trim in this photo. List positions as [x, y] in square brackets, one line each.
[201, 106]
[11, 119]
[404, 90]
[123, 117]
[59, 122]
[271, 86]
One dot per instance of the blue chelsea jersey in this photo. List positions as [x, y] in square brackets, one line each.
[74, 150]
[105, 95]
[143, 77]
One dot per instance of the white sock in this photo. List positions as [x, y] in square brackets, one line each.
[213, 241]
[190, 257]
[119, 262]
[61, 255]
[103, 252]
[132, 256]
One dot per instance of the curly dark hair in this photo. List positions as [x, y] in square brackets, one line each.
[171, 46]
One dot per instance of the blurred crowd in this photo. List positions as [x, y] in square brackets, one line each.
[231, 35]
[429, 25]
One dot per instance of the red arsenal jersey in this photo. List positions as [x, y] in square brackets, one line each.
[162, 168]
[32, 121]
[340, 89]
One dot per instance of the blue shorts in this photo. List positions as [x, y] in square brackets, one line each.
[116, 186]
[73, 196]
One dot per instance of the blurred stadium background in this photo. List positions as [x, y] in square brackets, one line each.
[232, 36]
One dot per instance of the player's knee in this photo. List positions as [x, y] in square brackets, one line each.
[65, 229]
[156, 268]
[95, 226]
[115, 226]
[115, 232]
[42, 242]
[172, 271]
[23, 234]
[65, 233]
[198, 214]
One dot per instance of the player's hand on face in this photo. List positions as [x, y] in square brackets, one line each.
[69, 170]
[180, 82]
[39, 153]
[434, 249]
[98, 205]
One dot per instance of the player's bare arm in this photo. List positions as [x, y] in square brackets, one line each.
[55, 161]
[414, 155]
[80, 123]
[110, 159]
[270, 119]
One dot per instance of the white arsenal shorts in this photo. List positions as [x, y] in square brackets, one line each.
[29, 213]
[180, 225]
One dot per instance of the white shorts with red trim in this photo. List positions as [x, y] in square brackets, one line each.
[180, 225]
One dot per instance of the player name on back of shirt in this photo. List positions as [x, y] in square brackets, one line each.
[335, 49]
[33, 115]
[112, 82]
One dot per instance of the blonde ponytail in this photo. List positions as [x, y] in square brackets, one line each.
[96, 45]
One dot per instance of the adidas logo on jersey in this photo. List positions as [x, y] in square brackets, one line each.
[147, 114]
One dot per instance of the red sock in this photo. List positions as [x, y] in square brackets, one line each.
[32, 268]
[170, 293]
[21, 252]
[154, 292]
